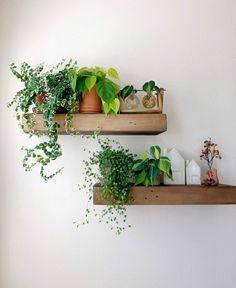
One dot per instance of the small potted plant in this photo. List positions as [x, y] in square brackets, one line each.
[45, 92]
[111, 166]
[133, 100]
[210, 152]
[97, 91]
[148, 171]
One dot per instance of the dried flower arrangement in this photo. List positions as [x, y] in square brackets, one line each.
[209, 152]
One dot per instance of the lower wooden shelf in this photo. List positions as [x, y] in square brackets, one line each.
[122, 124]
[177, 195]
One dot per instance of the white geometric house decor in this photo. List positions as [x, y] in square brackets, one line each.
[177, 166]
[193, 173]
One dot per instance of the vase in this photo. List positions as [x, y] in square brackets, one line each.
[211, 177]
[149, 101]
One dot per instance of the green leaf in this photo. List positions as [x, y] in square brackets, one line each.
[165, 166]
[126, 91]
[152, 173]
[106, 91]
[145, 86]
[90, 82]
[115, 105]
[155, 151]
[81, 86]
[140, 178]
[106, 107]
[72, 78]
[138, 165]
[113, 73]
[144, 156]
[151, 85]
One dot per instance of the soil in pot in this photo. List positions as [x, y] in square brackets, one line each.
[91, 102]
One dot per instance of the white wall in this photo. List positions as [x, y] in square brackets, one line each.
[188, 47]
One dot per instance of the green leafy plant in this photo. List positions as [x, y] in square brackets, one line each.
[149, 87]
[105, 87]
[147, 169]
[112, 168]
[58, 90]
[126, 91]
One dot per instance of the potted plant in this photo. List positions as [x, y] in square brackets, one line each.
[111, 166]
[97, 90]
[135, 101]
[148, 171]
[46, 92]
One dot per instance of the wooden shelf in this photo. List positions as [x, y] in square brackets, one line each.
[122, 124]
[177, 195]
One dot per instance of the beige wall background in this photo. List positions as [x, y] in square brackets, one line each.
[188, 47]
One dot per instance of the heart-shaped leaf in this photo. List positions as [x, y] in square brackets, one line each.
[126, 91]
[151, 85]
[155, 151]
[140, 178]
[165, 166]
[106, 107]
[106, 91]
[138, 165]
[80, 84]
[115, 105]
[90, 82]
[144, 155]
[113, 73]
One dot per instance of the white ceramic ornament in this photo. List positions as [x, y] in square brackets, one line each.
[177, 166]
[193, 173]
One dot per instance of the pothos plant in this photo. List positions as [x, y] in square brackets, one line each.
[106, 88]
[147, 169]
[111, 166]
[58, 88]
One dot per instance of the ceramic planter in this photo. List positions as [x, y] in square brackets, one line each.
[91, 102]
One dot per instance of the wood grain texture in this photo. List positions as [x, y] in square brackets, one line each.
[177, 195]
[122, 124]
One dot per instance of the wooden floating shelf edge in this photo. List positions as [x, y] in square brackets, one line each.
[177, 195]
[122, 124]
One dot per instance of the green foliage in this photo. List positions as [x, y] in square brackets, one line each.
[58, 86]
[106, 88]
[112, 167]
[106, 91]
[61, 87]
[147, 169]
[148, 87]
[126, 91]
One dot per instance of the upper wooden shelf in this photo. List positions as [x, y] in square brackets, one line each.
[177, 195]
[122, 124]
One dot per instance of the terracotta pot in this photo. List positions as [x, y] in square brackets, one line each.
[211, 177]
[41, 98]
[91, 102]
